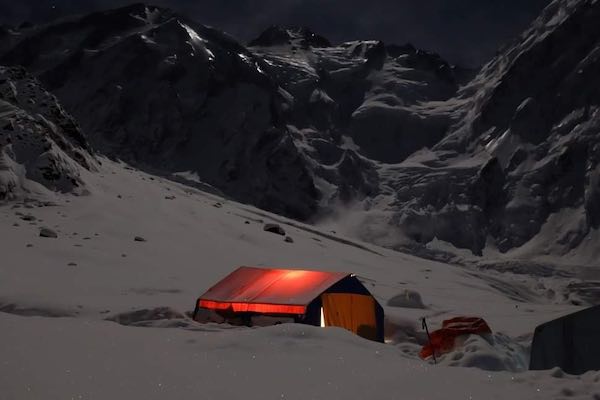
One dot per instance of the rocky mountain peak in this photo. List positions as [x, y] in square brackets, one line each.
[40, 143]
[300, 37]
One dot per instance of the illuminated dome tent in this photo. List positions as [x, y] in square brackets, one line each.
[252, 296]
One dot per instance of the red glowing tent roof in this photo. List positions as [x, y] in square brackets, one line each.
[276, 291]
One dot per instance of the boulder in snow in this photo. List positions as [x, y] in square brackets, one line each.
[407, 299]
[48, 233]
[274, 228]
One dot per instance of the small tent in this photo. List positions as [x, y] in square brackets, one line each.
[571, 342]
[317, 298]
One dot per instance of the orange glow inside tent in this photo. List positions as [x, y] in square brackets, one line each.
[272, 291]
[252, 307]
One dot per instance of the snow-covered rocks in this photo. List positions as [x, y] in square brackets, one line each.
[489, 352]
[407, 299]
[515, 169]
[39, 142]
[148, 317]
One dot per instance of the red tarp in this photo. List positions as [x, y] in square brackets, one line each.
[271, 291]
[442, 340]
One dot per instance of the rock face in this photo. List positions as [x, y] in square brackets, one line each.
[158, 90]
[39, 142]
[520, 167]
[296, 36]
[272, 124]
[507, 159]
[354, 106]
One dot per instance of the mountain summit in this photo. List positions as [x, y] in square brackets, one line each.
[300, 37]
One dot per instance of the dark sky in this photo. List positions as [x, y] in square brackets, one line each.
[466, 32]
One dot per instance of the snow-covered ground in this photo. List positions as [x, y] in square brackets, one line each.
[95, 313]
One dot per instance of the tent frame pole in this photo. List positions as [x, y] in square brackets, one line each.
[424, 325]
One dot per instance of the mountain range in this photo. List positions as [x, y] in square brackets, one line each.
[385, 142]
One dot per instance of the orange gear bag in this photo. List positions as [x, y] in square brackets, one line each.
[442, 340]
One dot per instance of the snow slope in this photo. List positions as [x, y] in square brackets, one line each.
[101, 360]
[95, 313]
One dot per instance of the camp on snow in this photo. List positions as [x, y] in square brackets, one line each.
[570, 342]
[258, 297]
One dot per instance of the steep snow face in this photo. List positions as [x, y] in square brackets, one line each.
[510, 163]
[298, 37]
[377, 97]
[153, 88]
[358, 104]
[544, 127]
[521, 168]
[41, 146]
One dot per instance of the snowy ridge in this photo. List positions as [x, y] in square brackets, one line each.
[41, 146]
[532, 120]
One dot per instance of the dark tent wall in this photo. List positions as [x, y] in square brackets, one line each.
[571, 343]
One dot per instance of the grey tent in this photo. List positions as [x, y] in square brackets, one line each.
[571, 342]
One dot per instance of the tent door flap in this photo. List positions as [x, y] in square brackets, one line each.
[354, 312]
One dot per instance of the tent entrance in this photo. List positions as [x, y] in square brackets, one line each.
[354, 312]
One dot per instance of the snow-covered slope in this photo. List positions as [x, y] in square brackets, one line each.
[96, 313]
[41, 146]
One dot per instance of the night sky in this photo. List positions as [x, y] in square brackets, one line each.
[466, 32]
